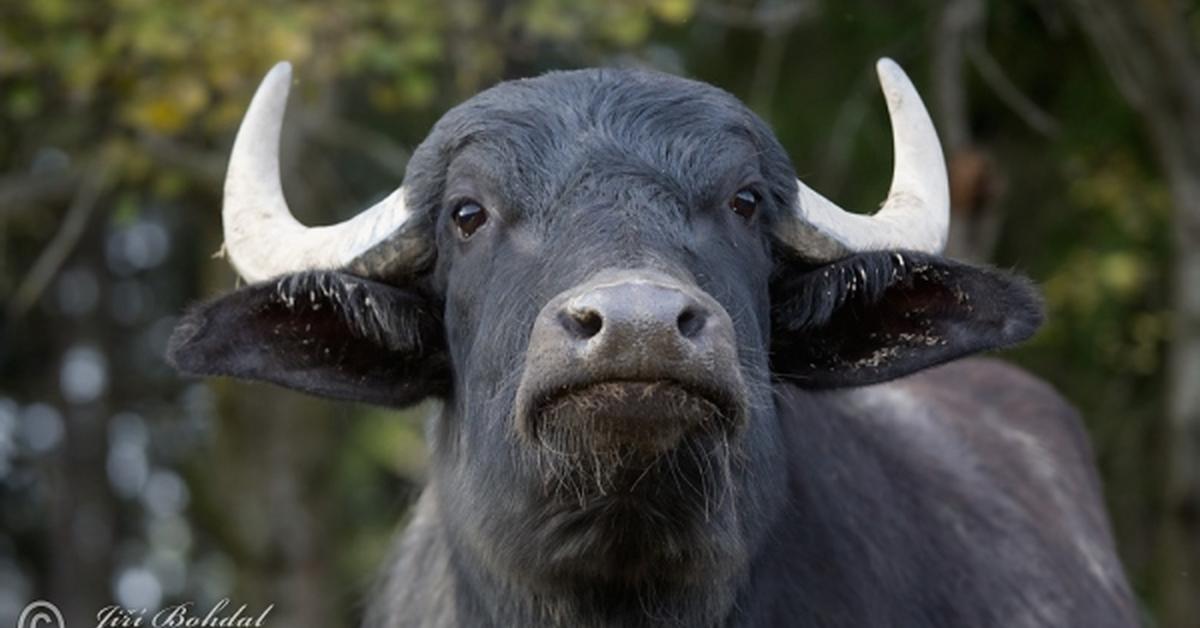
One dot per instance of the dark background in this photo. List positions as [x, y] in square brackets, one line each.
[1072, 129]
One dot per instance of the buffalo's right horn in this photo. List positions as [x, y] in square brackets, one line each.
[262, 238]
[916, 214]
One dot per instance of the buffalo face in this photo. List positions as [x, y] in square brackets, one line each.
[606, 316]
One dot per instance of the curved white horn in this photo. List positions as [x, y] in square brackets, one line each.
[262, 238]
[916, 214]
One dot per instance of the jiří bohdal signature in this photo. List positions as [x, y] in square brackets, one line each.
[43, 614]
[184, 615]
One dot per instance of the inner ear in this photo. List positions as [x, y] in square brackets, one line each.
[881, 315]
[326, 333]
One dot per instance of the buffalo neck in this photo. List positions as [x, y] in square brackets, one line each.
[487, 586]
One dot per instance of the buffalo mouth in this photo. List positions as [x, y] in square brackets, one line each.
[633, 419]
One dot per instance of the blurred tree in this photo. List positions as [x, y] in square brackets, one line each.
[1149, 49]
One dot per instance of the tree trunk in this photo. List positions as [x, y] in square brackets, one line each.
[261, 493]
[976, 210]
[1150, 53]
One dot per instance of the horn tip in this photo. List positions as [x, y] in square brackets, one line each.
[281, 71]
[889, 71]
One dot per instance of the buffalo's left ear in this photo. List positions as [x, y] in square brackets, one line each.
[876, 316]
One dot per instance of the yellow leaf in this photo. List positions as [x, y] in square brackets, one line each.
[1121, 272]
[161, 115]
[673, 11]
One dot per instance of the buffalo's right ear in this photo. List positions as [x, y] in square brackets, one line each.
[325, 333]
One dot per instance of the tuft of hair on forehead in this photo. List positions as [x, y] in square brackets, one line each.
[634, 105]
[536, 132]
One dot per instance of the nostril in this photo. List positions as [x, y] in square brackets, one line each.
[691, 321]
[583, 323]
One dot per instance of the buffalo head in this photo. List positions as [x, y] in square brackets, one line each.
[603, 275]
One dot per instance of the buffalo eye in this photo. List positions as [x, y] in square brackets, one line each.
[468, 217]
[744, 203]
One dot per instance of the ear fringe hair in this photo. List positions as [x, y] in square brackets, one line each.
[381, 314]
[810, 300]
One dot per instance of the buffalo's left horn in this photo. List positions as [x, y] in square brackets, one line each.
[916, 214]
[262, 238]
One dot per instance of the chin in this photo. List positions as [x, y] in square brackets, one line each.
[609, 445]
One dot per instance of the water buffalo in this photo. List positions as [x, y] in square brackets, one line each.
[680, 387]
